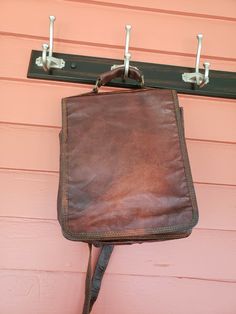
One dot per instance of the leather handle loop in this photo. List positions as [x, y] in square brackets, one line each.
[106, 77]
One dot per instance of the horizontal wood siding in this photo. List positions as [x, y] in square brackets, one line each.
[46, 290]
[40, 271]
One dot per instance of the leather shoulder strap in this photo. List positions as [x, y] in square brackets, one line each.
[93, 285]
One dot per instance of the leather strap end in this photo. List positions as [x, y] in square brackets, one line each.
[133, 73]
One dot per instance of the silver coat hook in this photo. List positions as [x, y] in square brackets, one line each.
[197, 77]
[127, 55]
[47, 61]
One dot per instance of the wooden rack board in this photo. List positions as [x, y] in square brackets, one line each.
[84, 69]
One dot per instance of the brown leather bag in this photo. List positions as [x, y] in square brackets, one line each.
[124, 171]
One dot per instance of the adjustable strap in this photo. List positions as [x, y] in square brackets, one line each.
[92, 286]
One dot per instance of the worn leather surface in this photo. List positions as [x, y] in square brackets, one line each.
[124, 167]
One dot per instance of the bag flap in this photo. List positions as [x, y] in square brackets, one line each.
[124, 166]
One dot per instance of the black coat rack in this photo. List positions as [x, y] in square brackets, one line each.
[84, 69]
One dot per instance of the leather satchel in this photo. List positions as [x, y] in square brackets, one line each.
[124, 171]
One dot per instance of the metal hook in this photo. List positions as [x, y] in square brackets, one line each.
[127, 55]
[197, 77]
[48, 61]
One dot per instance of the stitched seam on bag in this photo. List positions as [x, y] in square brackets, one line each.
[185, 158]
[91, 93]
[65, 185]
[131, 233]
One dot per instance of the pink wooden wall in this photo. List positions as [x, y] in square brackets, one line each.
[41, 272]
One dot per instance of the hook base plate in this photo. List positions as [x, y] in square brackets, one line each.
[194, 77]
[55, 63]
[115, 66]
